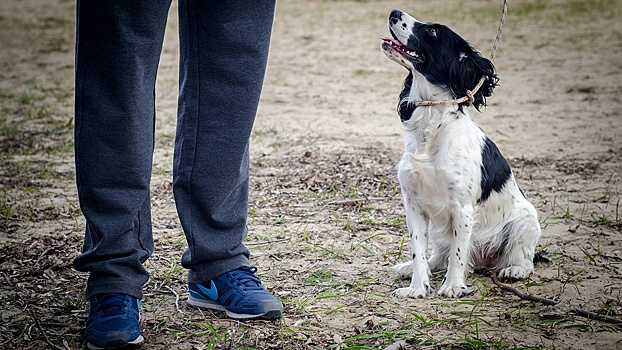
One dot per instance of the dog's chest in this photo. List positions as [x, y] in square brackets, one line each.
[444, 161]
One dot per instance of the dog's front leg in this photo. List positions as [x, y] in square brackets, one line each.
[417, 225]
[454, 283]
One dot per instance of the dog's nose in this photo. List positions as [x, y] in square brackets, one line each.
[395, 16]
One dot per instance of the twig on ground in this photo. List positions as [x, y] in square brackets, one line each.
[356, 200]
[41, 256]
[576, 310]
[267, 242]
[398, 345]
[31, 314]
[176, 298]
[45, 335]
[403, 345]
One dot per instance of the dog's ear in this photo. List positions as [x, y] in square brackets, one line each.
[405, 108]
[465, 73]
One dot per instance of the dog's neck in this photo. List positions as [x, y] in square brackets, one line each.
[423, 90]
[417, 88]
[423, 123]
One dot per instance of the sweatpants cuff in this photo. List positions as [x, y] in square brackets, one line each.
[216, 268]
[120, 287]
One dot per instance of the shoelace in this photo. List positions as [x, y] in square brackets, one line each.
[245, 276]
[111, 304]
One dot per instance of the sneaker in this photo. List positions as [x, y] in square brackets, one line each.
[239, 293]
[113, 322]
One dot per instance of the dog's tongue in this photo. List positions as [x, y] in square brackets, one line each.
[392, 40]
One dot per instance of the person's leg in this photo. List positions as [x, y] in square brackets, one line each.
[118, 46]
[223, 55]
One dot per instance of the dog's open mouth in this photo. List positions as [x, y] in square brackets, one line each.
[393, 44]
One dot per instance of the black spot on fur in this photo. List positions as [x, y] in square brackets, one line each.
[405, 109]
[495, 170]
[540, 257]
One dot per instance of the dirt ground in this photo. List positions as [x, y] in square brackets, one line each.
[325, 220]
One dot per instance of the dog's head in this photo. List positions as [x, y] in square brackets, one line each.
[440, 55]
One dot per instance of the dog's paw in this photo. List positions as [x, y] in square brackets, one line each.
[514, 272]
[454, 291]
[405, 270]
[408, 292]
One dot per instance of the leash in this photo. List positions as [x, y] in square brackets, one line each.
[470, 94]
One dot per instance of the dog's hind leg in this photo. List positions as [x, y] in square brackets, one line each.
[436, 263]
[438, 259]
[522, 236]
[405, 269]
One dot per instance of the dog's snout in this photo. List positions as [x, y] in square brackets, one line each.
[395, 16]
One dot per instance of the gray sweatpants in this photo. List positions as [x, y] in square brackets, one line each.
[223, 53]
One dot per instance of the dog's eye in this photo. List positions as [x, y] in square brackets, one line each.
[432, 32]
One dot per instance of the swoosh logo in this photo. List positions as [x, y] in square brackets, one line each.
[211, 292]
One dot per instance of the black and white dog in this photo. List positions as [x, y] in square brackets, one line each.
[459, 191]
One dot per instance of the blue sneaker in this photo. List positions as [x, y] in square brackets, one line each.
[239, 293]
[113, 322]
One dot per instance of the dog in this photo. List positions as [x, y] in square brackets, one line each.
[459, 191]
